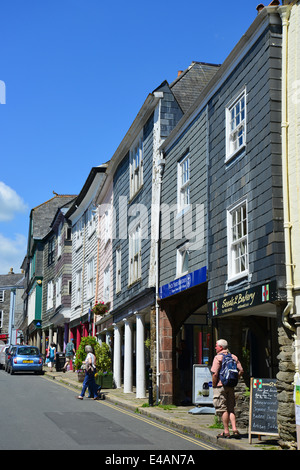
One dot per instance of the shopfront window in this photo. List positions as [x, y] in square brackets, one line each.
[202, 345]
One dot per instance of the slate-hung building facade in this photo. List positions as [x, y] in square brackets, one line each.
[40, 221]
[134, 173]
[11, 306]
[229, 147]
[190, 231]
[57, 280]
[84, 221]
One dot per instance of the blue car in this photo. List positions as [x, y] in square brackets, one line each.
[25, 359]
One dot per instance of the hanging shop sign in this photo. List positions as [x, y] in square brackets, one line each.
[183, 283]
[245, 299]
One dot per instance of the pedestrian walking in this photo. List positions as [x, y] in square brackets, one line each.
[70, 353]
[51, 356]
[89, 379]
[223, 395]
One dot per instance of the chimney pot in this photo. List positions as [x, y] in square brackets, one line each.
[260, 7]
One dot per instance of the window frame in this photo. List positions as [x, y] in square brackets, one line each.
[182, 251]
[118, 270]
[235, 254]
[50, 294]
[51, 251]
[135, 256]
[2, 295]
[79, 228]
[183, 187]
[106, 284]
[59, 240]
[58, 291]
[231, 148]
[91, 221]
[90, 278]
[136, 165]
[78, 287]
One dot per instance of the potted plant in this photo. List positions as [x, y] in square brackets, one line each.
[104, 375]
[81, 355]
[103, 360]
[100, 308]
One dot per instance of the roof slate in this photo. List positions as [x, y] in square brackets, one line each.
[42, 215]
[11, 279]
[189, 84]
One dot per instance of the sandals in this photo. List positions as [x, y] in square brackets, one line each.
[226, 435]
[223, 435]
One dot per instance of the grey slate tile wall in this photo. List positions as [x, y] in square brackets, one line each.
[193, 140]
[255, 173]
[169, 117]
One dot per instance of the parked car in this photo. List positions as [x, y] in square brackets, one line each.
[25, 359]
[7, 356]
[3, 348]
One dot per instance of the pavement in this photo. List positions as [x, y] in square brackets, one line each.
[197, 425]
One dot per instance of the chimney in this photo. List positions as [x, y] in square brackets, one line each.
[260, 7]
[11, 271]
[179, 73]
[274, 3]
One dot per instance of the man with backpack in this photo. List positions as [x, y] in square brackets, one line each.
[226, 370]
[70, 353]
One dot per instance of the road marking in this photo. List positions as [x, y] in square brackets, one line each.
[136, 416]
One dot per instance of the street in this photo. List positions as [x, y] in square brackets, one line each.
[40, 414]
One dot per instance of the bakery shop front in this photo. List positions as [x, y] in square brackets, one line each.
[247, 319]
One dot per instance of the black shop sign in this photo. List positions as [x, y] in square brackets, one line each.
[244, 299]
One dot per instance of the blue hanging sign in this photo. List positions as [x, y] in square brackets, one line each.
[183, 283]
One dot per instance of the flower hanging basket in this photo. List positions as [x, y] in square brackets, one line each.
[100, 308]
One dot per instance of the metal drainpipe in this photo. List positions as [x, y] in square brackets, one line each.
[289, 309]
[161, 164]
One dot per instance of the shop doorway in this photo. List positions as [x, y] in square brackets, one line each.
[193, 346]
[259, 348]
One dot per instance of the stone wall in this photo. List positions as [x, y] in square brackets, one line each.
[285, 379]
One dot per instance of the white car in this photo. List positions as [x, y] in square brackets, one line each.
[3, 348]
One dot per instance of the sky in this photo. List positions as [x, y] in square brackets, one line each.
[73, 76]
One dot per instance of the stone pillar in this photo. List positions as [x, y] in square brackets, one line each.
[128, 356]
[166, 359]
[285, 388]
[39, 338]
[117, 355]
[140, 357]
[50, 339]
[44, 343]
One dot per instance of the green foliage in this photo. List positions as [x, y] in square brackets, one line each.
[102, 353]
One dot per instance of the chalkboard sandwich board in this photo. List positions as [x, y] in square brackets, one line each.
[263, 408]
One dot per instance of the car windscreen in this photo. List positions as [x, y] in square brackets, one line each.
[27, 351]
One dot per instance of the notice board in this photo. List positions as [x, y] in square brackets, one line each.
[202, 385]
[263, 407]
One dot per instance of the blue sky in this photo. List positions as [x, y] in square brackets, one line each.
[75, 74]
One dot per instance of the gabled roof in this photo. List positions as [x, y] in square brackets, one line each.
[43, 214]
[190, 83]
[11, 280]
[97, 170]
